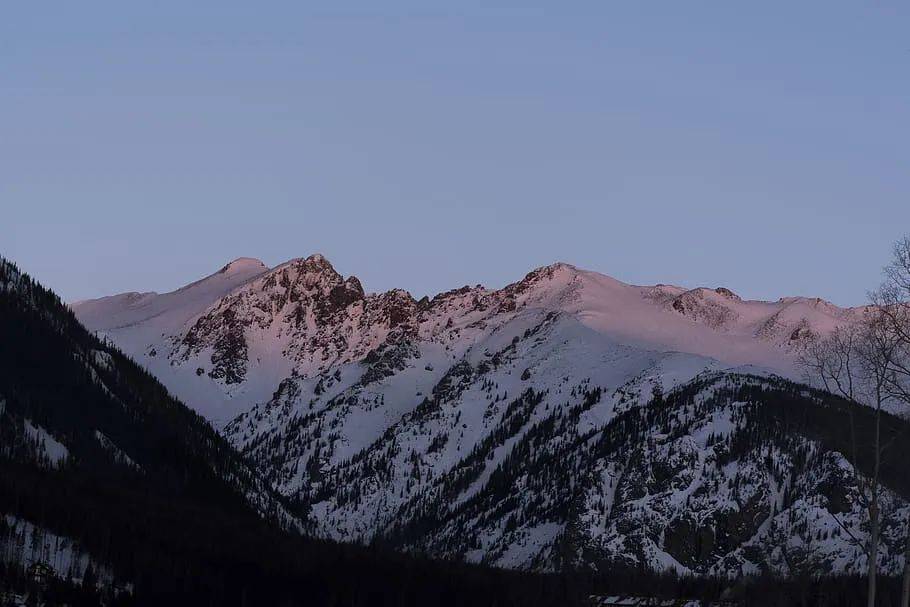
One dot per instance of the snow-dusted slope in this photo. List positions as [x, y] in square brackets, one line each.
[142, 323]
[714, 477]
[168, 311]
[473, 424]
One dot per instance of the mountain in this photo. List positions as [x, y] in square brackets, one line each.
[123, 495]
[141, 321]
[525, 426]
[227, 341]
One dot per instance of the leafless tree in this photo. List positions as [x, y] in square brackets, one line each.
[853, 362]
[892, 301]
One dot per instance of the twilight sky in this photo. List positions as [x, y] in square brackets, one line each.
[762, 146]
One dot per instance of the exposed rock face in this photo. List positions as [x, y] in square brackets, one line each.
[727, 293]
[320, 318]
[229, 350]
[343, 295]
[709, 307]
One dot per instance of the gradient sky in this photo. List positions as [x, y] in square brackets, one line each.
[762, 146]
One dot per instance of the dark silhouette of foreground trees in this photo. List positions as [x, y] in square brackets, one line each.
[868, 363]
[893, 303]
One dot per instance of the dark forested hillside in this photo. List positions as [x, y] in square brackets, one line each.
[98, 461]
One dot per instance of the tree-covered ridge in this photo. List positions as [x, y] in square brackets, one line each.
[727, 475]
[56, 376]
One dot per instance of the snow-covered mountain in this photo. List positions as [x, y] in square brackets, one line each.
[227, 341]
[113, 492]
[513, 426]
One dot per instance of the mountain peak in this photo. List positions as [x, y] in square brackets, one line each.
[727, 293]
[558, 265]
[542, 275]
[313, 263]
[809, 301]
[242, 263]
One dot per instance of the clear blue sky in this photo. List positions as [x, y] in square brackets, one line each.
[764, 146]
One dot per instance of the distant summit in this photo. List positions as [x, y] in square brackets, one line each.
[243, 264]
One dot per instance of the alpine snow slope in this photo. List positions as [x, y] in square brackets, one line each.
[516, 426]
